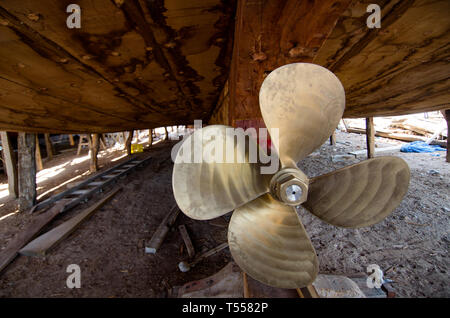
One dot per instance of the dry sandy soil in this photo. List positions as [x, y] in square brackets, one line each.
[411, 245]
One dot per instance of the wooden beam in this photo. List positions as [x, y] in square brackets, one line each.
[162, 230]
[40, 245]
[187, 240]
[39, 164]
[48, 146]
[27, 170]
[150, 137]
[128, 142]
[447, 118]
[71, 141]
[384, 134]
[307, 292]
[93, 151]
[333, 139]
[28, 233]
[10, 161]
[166, 137]
[370, 137]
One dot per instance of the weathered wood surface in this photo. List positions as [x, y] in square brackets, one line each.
[71, 141]
[132, 65]
[220, 114]
[48, 146]
[396, 136]
[10, 163]
[27, 170]
[39, 164]
[447, 118]
[162, 230]
[187, 240]
[93, 151]
[143, 64]
[400, 68]
[269, 34]
[128, 142]
[370, 137]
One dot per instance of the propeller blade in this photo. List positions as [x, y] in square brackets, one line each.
[205, 190]
[361, 194]
[305, 102]
[268, 241]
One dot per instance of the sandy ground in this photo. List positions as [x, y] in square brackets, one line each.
[109, 247]
[411, 245]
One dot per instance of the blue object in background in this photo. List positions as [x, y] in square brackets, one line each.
[420, 146]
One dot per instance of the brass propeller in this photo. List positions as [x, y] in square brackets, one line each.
[268, 241]
[305, 102]
[266, 237]
[210, 188]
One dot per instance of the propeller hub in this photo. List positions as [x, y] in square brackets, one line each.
[289, 186]
[293, 192]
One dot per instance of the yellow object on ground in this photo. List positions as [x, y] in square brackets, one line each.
[137, 148]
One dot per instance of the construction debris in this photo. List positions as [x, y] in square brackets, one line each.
[185, 266]
[162, 230]
[43, 243]
[187, 240]
[26, 235]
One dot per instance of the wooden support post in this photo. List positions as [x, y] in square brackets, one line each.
[9, 159]
[128, 142]
[27, 171]
[307, 292]
[167, 133]
[345, 124]
[48, 146]
[333, 139]
[39, 165]
[150, 137]
[82, 143]
[93, 151]
[370, 137]
[447, 118]
[102, 142]
[71, 141]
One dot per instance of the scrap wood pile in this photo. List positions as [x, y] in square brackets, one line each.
[406, 128]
